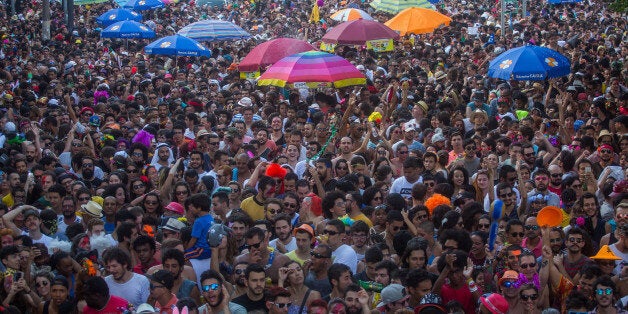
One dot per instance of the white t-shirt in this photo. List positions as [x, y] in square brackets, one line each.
[291, 246]
[403, 187]
[136, 290]
[345, 254]
[44, 238]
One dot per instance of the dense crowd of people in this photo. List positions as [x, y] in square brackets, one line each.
[135, 183]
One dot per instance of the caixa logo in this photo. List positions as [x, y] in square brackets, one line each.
[530, 76]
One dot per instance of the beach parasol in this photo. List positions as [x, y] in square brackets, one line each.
[417, 21]
[214, 30]
[529, 63]
[396, 6]
[142, 5]
[118, 15]
[267, 53]
[177, 45]
[350, 14]
[312, 69]
[127, 29]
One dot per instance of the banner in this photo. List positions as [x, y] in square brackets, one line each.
[328, 47]
[380, 45]
[249, 75]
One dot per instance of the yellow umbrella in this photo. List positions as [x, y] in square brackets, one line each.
[417, 21]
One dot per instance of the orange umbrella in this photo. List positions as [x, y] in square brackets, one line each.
[417, 21]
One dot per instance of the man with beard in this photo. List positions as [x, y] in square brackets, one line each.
[240, 223]
[346, 150]
[259, 253]
[31, 152]
[357, 300]
[574, 260]
[501, 148]
[68, 214]
[409, 137]
[163, 156]
[239, 280]
[528, 156]
[122, 281]
[284, 242]
[32, 222]
[606, 154]
[277, 300]
[253, 299]
[532, 241]
[342, 253]
[220, 205]
[254, 205]
[216, 295]
[556, 179]
[323, 173]
[541, 179]
[605, 289]
[316, 269]
[196, 163]
[313, 147]
[87, 170]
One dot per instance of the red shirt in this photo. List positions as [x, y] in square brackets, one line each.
[112, 307]
[139, 269]
[462, 295]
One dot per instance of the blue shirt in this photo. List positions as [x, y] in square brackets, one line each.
[199, 231]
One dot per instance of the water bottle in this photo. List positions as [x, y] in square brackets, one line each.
[371, 286]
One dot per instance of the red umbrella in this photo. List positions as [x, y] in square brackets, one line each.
[272, 51]
[358, 32]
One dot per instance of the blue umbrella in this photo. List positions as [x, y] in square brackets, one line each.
[127, 29]
[529, 63]
[214, 30]
[117, 15]
[177, 45]
[562, 1]
[141, 5]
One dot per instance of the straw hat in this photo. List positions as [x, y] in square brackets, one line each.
[605, 253]
[93, 209]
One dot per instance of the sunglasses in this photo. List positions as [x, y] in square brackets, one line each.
[181, 192]
[255, 246]
[41, 284]
[517, 234]
[526, 297]
[213, 287]
[138, 186]
[330, 232]
[509, 284]
[150, 202]
[505, 195]
[607, 291]
[530, 227]
[605, 151]
[239, 271]
[283, 305]
[526, 266]
[576, 240]
[318, 255]
[606, 263]
[484, 226]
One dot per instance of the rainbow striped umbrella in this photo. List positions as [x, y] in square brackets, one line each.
[350, 14]
[312, 69]
[214, 30]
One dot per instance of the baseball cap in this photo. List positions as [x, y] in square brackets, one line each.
[307, 228]
[145, 308]
[176, 208]
[509, 275]
[163, 277]
[30, 212]
[495, 303]
[391, 293]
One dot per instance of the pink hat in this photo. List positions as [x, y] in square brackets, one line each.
[176, 208]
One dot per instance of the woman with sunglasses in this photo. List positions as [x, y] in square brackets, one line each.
[529, 300]
[43, 279]
[60, 301]
[292, 277]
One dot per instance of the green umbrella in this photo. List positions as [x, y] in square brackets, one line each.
[396, 6]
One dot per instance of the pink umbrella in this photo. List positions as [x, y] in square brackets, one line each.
[358, 32]
[312, 69]
[272, 51]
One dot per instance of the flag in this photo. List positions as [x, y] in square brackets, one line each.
[315, 15]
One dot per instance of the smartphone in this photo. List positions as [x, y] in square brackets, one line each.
[17, 276]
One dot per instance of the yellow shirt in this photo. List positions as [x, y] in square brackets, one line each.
[8, 200]
[253, 208]
[293, 256]
[363, 217]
